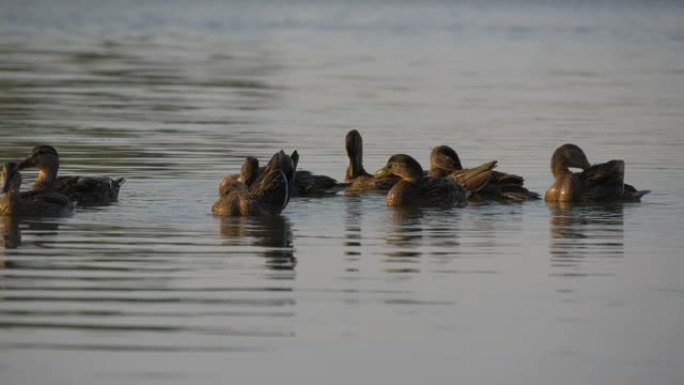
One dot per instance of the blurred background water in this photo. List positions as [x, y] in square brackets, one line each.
[172, 95]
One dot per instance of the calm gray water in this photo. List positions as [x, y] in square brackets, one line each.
[172, 95]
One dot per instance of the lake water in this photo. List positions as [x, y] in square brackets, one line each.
[172, 95]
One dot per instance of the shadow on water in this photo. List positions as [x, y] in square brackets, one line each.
[583, 235]
[273, 234]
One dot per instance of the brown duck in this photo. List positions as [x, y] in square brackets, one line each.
[83, 190]
[268, 194]
[35, 203]
[602, 182]
[416, 189]
[306, 183]
[359, 180]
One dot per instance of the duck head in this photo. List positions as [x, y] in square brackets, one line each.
[444, 158]
[403, 166]
[41, 157]
[354, 147]
[568, 155]
[249, 171]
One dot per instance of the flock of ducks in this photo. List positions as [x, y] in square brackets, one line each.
[267, 190]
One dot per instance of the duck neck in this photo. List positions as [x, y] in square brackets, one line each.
[247, 177]
[46, 177]
[436, 172]
[559, 165]
[403, 193]
[8, 202]
[413, 179]
[355, 168]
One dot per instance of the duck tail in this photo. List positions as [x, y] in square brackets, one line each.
[631, 194]
[519, 195]
[274, 186]
[474, 179]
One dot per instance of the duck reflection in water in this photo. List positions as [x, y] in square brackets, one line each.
[10, 227]
[579, 232]
[273, 233]
[353, 228]
[11, 235]
[404, 238]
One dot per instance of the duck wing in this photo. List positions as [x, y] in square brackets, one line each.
[47, 202]
[307, 183]
[236, 200]
[603, 182]
[441, 192]
[273, 187]
[504, 178]
[474, 179]
[226, 183]
[369, 183]
[89, 190]
[507, 188]
[272, 191]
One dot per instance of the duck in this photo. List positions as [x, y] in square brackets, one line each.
[85, 190]
[484, 183]
[601, 182]
[306, 183]
[356, 176]
[268, 194]
[34, 203]
[416, 189]
[248, 174]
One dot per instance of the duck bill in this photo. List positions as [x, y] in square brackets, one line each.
[26, 163]
[585, 165]
[383, 173]
[582, 164]
[581, 161]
